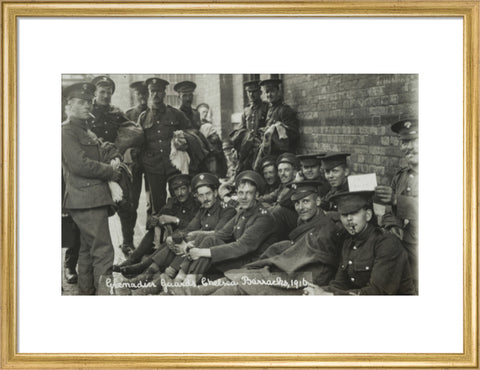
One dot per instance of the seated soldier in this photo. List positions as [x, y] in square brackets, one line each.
[336, 172]
[311, 254]
[270, 175]
[311, 169]
[176, 214]
[373, 262]
[212, 215]
[282, 207]
[242, 239]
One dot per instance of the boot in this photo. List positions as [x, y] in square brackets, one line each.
[70, 275]
[127, 249]
[118, 268]
[133, 270]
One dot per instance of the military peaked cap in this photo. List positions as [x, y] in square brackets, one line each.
[176, 181]
[253, 177]
[104, 81]
[139, 86]
[332, 160]
[81, 90]
[351, 202]
[253, 85]
[407, 129]
[157, 82]
[288, 158]
[301, 189]
[185, 87]
[310, 159]
[275, 82]
[205, 179]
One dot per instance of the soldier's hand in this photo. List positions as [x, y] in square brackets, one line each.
[313, 289]
[385, 194]
[397, 231]
[196, 253]
[166, 219]
[116, 175]
[151, 222]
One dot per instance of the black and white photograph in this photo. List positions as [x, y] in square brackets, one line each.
[240, 184]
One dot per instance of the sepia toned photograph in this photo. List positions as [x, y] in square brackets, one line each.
[239, 184]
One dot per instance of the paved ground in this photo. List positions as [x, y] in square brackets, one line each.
[116, 234]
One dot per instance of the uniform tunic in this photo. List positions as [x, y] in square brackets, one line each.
[373, 263]
[87, 199]
[282, 209]
[326, 204]
[134, 112]
[240, 241]
[281, 112]
[108, 119]
[405, 213]
[193, 115]
[159, 126]
[213, 218]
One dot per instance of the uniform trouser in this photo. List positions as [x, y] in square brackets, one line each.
[285, 220]
[146, 247]
[158, 191]
[200, 266]
[72, 236]
[163, 257]
[96, 251]
[412, 251]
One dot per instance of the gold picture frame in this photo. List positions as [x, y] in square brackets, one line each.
[467, 10]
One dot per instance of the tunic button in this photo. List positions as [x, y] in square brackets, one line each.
[311, 234]
[106, 131]
[411, 176]
[367, 268]
[292, 242]
[104, 123]
[88, 184]
[158, 121]
[183, 211]
[243, 217]
[206, 225]
[161, 150]
[408, 189]
[158, 131]
[208, 214]
[355, 247]
[352, 279]
[350, 262]
[238, 227]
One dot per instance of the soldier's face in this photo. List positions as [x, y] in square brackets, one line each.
[270, 174]
[181, 193]
[307, 207]
[272, 93]
[254, 96]
[311, 172]
[206, 196]
[155, 96]
[336, 176]
[356, 222]
[79, 108]
[186, 99]
[247, 193]
[103, 95]
[286, 172]
[142, 97]
[410, 150]
[203, 111]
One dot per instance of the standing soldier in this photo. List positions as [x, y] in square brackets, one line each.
[249, 135]
[87, 196]
[311, 167]
[282, 133]
[140, 92]
[106, 122]
[159, 122]
[402, 195]
[185, 91]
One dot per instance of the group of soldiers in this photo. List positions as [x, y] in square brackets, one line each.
[245, 215]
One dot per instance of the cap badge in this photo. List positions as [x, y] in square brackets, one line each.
[202, 177]
[85, 86]
[154, 80]
[104, 79]
[294, 186]
[408, 124]
[413, 132]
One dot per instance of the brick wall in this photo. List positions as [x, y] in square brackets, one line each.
[353, 113]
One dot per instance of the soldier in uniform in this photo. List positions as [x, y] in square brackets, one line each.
[270, 174]
[311, 169]
[311, 254]
[140, 92]
[177, 213]
[107, 119]
[282, 131]
[282, 208]
[373, 262]
[242, 239]
[402, 195]
[185, 91]
[336, 172]
[159, 122]
[87, 197]
[212, 216]
[249, 135]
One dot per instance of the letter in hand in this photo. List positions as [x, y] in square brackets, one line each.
[115, 163]
[397, 231]
[166, 219]
[385, 194]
